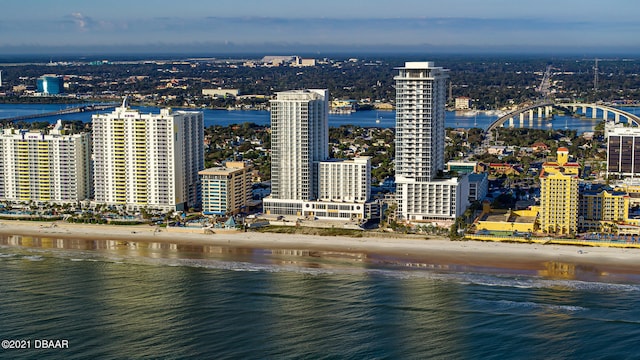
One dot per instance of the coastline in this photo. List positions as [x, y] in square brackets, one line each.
[399, 250]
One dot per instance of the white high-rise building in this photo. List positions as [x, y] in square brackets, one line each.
[148, 160]
[304, 181]
[423, 194]
[420, 110]
[53, 167]
[299, 141]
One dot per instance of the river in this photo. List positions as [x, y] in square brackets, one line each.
[385, 119]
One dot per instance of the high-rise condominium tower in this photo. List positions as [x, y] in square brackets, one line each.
[421, 192]
[420, 110]
[53, 167]
[299, 141]
[304, 181]
[148, 160]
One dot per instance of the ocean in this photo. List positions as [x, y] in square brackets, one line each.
[113, 300]
[384, 119]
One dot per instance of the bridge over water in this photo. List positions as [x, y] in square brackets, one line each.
[544, 110]
[71, 110]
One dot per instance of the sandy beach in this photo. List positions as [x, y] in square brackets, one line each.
[414, 250]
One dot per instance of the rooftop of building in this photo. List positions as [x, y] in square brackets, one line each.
[611, 192]
[221, 170]
[356, 159]
[506, 216]
[555, 164]
[473, 177]
[56, 130]
[418, 64]
[304, 94]
[622, 130]
[462, 163]
[544, 172]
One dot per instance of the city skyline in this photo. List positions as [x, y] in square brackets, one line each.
[282, 25]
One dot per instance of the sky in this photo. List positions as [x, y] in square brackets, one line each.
[33, 26]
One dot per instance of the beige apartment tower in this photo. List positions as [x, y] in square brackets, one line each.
[148, 160]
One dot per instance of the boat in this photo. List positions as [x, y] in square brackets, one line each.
[469, 113]
[341, 111]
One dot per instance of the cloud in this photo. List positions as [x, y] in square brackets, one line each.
[83, 22]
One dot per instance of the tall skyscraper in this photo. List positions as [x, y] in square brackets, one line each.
[299, 141]
[422, 192]
[148, 160]
[304, 181]
[420, 111]
[53, 167]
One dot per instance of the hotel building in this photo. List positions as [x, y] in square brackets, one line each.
[53, 167]
[304, 181]
[423, 194]
[559, 195]
[226, 190]
[600, 207]
[148, 160]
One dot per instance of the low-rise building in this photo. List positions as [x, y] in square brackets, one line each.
[463, 103]
[505, 222]
[302, 62]
[539, 147]
[220, 92]
[463, 167]
[501, 168]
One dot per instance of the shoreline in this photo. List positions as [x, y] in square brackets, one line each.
[400, 250]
